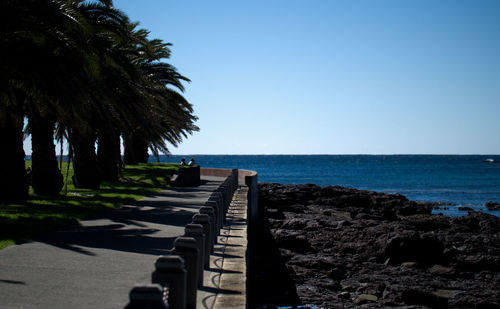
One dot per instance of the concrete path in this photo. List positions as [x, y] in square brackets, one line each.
[96, 264]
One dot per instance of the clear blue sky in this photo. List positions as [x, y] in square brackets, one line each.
[334, 77]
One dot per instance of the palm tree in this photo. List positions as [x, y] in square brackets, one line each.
[103, 110]
[141, 103]
[13, 180]
[83, 65]
[32, 36]
[136, 148]
[170, 115]
[67, 67]
[108, 152]
[46, 178]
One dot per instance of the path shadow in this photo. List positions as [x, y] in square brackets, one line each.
[224, 271]
[134, 227]
[112, 237]
[156, 212]
[218, 291]
[227, 255]
[12, 281]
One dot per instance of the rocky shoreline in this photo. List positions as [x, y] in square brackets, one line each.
[336, 247]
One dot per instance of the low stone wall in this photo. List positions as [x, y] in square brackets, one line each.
[245, 177]
[216, 172]
[250, 178]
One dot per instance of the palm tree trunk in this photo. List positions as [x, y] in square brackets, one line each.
[108, 154]
[46, 178]
[85, 160]
[136, 149]
[13, 180]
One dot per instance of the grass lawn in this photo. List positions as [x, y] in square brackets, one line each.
[40, 214]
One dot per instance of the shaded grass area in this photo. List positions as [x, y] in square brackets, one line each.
[40, 214]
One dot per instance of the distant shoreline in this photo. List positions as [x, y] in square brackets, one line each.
[153, 159]
[454, 180]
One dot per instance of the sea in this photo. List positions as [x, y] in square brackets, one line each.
[451, 180]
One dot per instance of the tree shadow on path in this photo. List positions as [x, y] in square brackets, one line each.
[135, 227]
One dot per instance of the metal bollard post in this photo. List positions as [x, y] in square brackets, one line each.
[148, 296]
[187, 248]
[204, 220]
[209, 211]
[196, 231]
[170, 271]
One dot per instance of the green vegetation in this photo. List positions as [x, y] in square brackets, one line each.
[84, 72]
[81, 72]
[21, 222]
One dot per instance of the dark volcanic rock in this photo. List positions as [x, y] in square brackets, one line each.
[346, 248]
[413, 248]
[492, 205]
[292, 240]
[424, 298]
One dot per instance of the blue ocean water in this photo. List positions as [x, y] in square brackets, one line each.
[458, 180]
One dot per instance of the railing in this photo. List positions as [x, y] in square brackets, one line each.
[178, 274]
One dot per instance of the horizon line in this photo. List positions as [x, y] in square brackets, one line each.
[334, 154]
[322, 154]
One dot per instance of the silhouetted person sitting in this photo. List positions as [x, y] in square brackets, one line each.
[191, 162]
[183, 161]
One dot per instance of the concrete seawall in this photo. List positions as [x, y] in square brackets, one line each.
[245, 178]
[229, 264]
[221, 276]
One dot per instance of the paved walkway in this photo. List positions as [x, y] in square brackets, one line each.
[96, 264]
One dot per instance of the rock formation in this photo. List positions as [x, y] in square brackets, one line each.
[339, 248]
